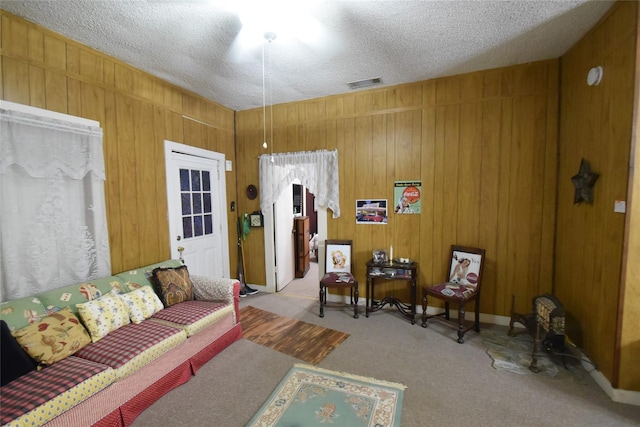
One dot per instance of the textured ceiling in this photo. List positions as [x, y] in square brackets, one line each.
[194, 44]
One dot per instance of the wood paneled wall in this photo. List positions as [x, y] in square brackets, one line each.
[137, 113]
[596, 124]
[484, 146]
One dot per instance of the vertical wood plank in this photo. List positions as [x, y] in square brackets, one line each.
[36, 45]
[489, 200]
[37, 96]
[15, 80]
[15, 37]
[146, 200]
[129, 216]
[427, 175]
[91, 65]
[56, 91]
[112, 185]
[160, 120]
[55, 53]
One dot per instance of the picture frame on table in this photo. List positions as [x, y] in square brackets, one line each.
[379, 256]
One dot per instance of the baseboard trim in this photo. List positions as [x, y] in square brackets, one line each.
[484, 318]
[619, 395]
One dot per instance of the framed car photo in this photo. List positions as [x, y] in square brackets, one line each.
[371, 211]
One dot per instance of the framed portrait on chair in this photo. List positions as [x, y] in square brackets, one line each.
[338, 256]
[465, 268]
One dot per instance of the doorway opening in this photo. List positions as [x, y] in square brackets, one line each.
[284, 231]
[319, 171]
[295, 235]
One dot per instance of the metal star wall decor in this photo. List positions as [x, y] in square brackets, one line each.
[584, 181]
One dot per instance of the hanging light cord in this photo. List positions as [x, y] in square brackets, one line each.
[264, 104]
[271, 96]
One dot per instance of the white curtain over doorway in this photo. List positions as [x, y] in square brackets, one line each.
[316, 170]
[53, 221]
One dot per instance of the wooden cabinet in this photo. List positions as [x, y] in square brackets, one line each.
[301, 228]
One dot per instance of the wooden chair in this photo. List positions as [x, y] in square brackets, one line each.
[338, 273]
[464, 277]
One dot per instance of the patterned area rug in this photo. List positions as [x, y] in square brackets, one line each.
[305, 341]
[310, 396]
[513, 354]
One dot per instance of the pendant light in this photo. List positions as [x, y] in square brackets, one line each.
[269, 37]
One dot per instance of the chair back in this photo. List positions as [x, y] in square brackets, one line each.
[465, 266]
[338, 256]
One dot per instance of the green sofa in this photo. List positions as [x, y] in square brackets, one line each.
[122, 370]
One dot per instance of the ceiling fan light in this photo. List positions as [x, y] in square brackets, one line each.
[364, 83]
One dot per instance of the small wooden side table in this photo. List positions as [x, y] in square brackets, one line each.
[391, 271]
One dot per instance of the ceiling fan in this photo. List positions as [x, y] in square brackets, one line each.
[292, 22]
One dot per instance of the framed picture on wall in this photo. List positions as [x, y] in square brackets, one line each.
[372, 211]
[407, 197]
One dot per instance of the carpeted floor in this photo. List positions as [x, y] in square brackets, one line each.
[307, 342]
[447, 383]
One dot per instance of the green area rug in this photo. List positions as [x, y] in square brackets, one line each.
[310, 396]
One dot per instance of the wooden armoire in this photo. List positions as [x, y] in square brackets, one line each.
[301, 228]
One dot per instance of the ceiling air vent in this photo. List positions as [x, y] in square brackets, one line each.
[364, 83]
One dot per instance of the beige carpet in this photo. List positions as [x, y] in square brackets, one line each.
[448, 384]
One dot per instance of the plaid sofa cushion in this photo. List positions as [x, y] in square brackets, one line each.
[193, 316]
[132, 346]
[39, 396]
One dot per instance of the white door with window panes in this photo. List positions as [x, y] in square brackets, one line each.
[197, 209]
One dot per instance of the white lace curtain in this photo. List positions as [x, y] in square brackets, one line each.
[53, 221]
[316, 170]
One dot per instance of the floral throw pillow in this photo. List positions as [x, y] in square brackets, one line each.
[53, 337]
[141, 303]
[103, 315]
[173, 285]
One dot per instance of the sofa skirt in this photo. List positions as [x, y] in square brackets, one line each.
[121, 402]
